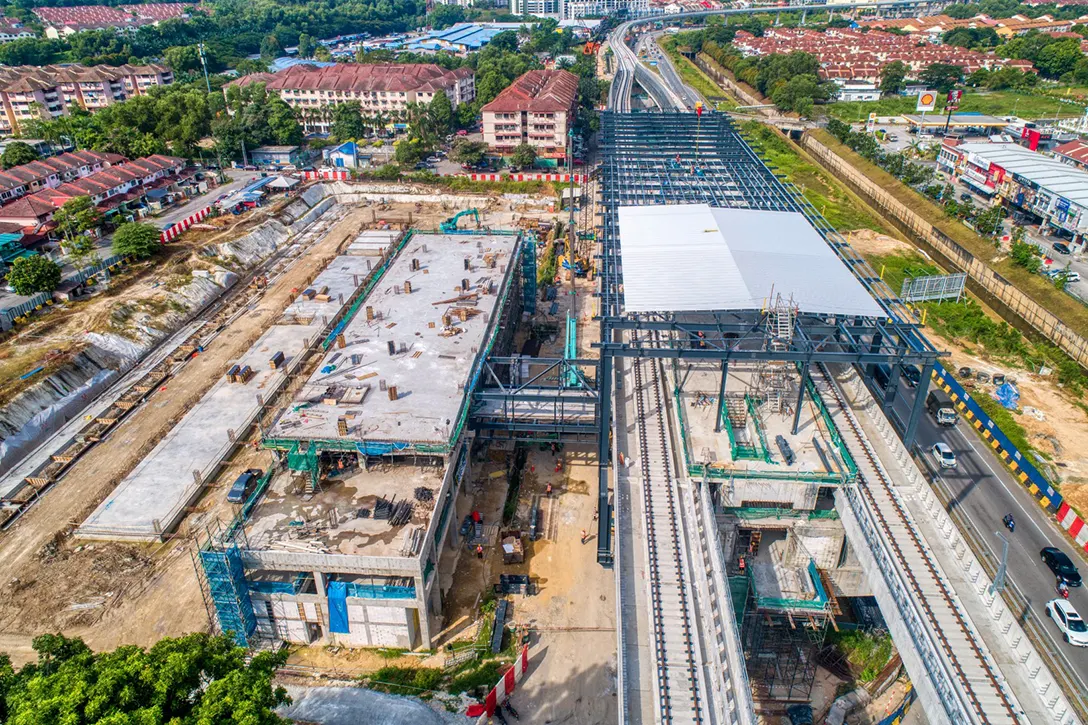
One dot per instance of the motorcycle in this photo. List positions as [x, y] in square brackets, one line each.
[1009, 523]
[510, 709]
[1063, 590]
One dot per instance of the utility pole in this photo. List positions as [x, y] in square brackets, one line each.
[570, 178]
[208, 84]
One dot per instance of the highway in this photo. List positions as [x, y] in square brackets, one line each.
[983, 491]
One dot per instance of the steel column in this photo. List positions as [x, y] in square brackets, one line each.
[604, 453]
[800, 398]
[919, 404]
[721, 397]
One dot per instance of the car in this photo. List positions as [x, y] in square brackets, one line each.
[1062, 566]
[965, 196]
[462, 132]
[944, 455]
[912, 375]
[240, 487]
[1062, 248]
[1071, 276]
[1074, 630]
[892, 138]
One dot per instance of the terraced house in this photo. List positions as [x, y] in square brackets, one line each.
[31, 92]
[382, 90]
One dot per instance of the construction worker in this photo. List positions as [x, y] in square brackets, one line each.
[548, 490]
[583, 536]
[479, 551]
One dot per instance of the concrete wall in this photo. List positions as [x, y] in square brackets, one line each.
[388, 623]
[801, 495]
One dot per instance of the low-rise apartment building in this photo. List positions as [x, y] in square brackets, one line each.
[1022, 179]
[29, 93]
[61, 22]
[13, 29]
[536, 109]
[381, 89]
[49, 173]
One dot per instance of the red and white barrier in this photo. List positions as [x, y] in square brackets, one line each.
[527, 177]
[1073, 524]
[179, 227]
[502, 690]
[333, 174]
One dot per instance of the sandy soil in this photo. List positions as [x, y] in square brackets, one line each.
[868, 242]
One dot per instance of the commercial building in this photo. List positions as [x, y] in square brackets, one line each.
[536, 109]
[64, 21]
[576, 9]
[44, 92]
[355, 542]
[461, 38]
[851, 55]
[380, 89]
[274, 155]
[1041, 186]
[1074, 153]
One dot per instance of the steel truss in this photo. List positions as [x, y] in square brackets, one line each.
[678, 158]
[555, 401]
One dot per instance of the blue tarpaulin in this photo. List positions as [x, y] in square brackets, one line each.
[1008, 396]
[338, 607]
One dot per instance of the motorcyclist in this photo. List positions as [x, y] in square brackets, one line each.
[1063, 589]
[1009, 523]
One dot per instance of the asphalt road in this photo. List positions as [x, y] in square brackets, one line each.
[984, 491]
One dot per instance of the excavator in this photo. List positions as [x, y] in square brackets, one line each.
[450, 225]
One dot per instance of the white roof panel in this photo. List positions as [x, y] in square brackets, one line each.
[695, 258]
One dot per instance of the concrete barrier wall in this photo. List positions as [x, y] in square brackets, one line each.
[311, 216]
[1036, 316]
[258, 245]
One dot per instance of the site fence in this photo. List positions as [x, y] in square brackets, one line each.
[1035, 315]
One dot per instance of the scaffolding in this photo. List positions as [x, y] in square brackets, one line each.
[781, 649]
[223, 586]
[528, 273]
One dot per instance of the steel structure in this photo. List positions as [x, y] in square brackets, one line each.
[678, 158]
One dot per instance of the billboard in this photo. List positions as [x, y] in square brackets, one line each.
[927, 101]
[952, 102]
[870, 125]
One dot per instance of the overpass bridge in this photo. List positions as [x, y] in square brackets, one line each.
[681, 654]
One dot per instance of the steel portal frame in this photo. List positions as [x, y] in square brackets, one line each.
[682, 158]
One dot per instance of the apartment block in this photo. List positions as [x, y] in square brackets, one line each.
[61, 22]
[538, 109]
[13, 29]
[381, 88]
[30, 93]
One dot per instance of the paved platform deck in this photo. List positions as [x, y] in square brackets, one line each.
[433, 348]
[151, 500]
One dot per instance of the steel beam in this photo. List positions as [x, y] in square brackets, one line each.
[800, 398]
[604, 454]
[919, 405]
[721, 397]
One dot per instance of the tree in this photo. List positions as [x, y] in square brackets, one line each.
[323, 54]
[306, 46]
[1057, 59]
[18, 153]
[183, 58]
[893, 77]
[524, 156]
[409, 151]
[468, 152]
[942, 77]
[247, 66]
[136, 240]
[271, 48]
[193, 679]
[31, 275]
[285, 128]
[1025, 255]
[440, 111]
[347, 121]
[74, 219]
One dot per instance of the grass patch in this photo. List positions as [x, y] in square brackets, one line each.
[867, 654]
[894, 268]
[832, 199]
[695, 78]
[1073, 314]
[547, 266]
[485, 674]
[416, 681]
[998, 103]
[1005, 419]
[389, 653]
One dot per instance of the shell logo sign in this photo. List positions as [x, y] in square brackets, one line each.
[927, 101]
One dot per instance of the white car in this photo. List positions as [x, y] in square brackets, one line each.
[944, 455]
[1069, 622]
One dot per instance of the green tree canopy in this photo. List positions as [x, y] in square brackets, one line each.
[409, 151]
[468, 152]
[17, 153]
[306, 46]
[136, 240]
[440, 111]
[271, 47]
[74, 219]
[893, 77]
[524, 156]
[195, 679]
[31, 275]
[1057, 59]
[347, 121]
[942, 77]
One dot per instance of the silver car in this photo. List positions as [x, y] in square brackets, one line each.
[944, 455]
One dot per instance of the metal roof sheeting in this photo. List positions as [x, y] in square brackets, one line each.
[693, 257]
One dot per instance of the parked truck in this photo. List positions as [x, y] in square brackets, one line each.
[941, 407]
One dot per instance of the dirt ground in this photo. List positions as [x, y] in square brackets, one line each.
[866, 242]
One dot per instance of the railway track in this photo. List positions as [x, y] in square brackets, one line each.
[970, 688]
[678, 687]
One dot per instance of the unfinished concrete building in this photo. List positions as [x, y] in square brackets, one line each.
[343, 545]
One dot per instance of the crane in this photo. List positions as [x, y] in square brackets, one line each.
[450, 225]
